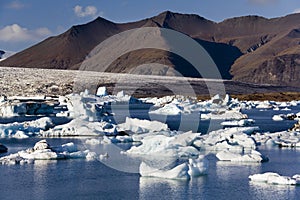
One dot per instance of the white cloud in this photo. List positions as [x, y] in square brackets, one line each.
[16, 5]
[15, 33]
[85, 12]
[297, 10]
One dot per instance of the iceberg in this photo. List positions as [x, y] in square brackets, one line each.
[138, 126]
[101, 91]
[274, 178]
[191, 168]
[43, 151]
[25, 129]
[168, 109]
[179, 145]
[178, 172]
[290, 139]
[79, 127]
[253, 156]
[225, 115]
[264, 105]
[242, 122]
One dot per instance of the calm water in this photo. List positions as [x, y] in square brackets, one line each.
[80, 179]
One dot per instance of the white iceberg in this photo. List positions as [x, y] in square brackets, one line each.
[25, 129]
[101, 91]
[43, 151]
[179, 145]
[79, 127]
[264, 105]
[242, 122]
[253, 156]
[138, 126]
[178, 172]
[225, 115]
[274, 178]
[187, 170]
[168, 109]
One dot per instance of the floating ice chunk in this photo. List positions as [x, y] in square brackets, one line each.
[198, 166]
[290, 139]
[103, 156]
[93, 141]
[121, 94]
[101, 91]
[91, 156]
[41, 145]
[178, 172]
[43, 151]
[278, 118]
[253, 156]
[193, 167]
[264, 105]
[79, 127]
[178, 145]
[224, 114]
[116, 139]
[274, 178]
[276, 108]
[168, 109]
[20, 135]
[28, 128]
[141, 126]
[242, 122]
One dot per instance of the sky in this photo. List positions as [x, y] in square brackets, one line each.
[24, 23]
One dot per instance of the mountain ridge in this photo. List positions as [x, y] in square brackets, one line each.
[248, 48]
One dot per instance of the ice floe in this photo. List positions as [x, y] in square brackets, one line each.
[242, 122]
[25, 129]
[252, 156]
[274, 178]
[187, 170]
[179, 145]
[43, 151]
[281, 139]
[141, 126]
[225, 115]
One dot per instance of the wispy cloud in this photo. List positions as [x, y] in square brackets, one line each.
[15, 5]
[88, 11]
[262, 2]
[15, 33]
[297, 10]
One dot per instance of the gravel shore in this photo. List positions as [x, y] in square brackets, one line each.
[30, 82]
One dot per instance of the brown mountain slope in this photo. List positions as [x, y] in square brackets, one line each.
[250, 48]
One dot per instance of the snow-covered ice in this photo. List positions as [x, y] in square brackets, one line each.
[179, 145]
[25, 129]
[43, 151]
[141, 126]
[274, 178]
[187, 170]
[225, 115]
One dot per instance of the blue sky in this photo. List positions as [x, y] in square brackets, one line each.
[26, 22]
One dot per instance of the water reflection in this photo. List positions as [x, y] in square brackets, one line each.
[168, 189]
[228, 170]
[268, 191]
[41, 178]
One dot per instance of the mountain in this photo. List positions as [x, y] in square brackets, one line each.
[248, 49]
